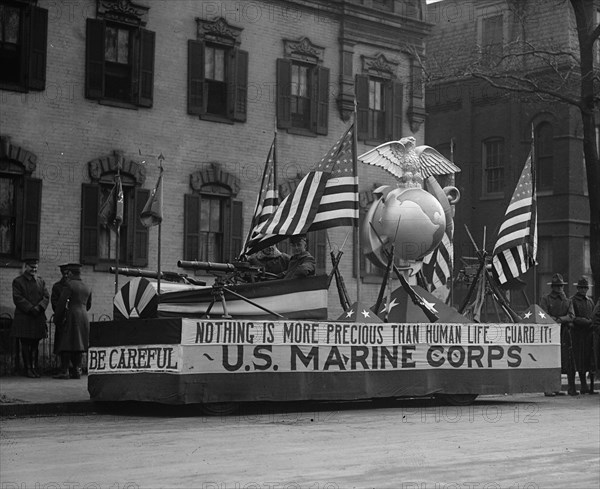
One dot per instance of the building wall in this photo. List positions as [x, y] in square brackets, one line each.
[65, 130]
[471, 111]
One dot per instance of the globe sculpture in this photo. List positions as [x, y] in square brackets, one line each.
[412, 219]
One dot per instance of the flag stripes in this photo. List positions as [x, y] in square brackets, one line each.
[267, 199]
[516, 245]
[437, 267]
[326, 197]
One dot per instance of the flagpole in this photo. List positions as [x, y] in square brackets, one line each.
[534, 208]
[356, 234]
[118, 226]
[161, 158]
[451, 278]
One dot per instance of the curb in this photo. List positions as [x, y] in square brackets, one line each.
[49, 408]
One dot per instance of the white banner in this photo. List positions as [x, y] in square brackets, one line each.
[222, 332]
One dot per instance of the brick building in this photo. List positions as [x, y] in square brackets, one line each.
[90, 86]
[492, 134]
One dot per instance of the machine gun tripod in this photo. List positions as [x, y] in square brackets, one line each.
[225, 274]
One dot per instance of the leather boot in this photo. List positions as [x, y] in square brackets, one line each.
[64, 368]
[571, 381]
[584, 387]
[591, 391]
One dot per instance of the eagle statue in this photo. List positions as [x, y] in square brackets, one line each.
[415, 216]
[404, 159]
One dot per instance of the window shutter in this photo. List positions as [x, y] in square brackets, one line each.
[237, 229]
[134, 66]
[30, 239]
[191, 226]
[146, 91]
[397, 104]
[238, 86]
[38, 49]
[94, 59]
[140, 232]
[90, 206]
[284, 93]
[321, 114]
[25, 35]
[196, 88]
[389, 111]
[362, 103]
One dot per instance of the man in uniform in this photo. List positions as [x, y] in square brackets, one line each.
[302, 263]
[31, 298]
[57, 289]
[71, 311]
[582, 335]
[560, 308]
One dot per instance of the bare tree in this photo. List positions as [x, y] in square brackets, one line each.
[549, 73]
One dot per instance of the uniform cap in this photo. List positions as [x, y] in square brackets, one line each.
[557, 279]
[31, 261]
[583, 282]
[297, 238]
[74, 267]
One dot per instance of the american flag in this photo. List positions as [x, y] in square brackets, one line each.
[326, 197]
[268, 197]
[516, 246]
[437, 268]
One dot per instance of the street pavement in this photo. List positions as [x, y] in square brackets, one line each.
[22, 396]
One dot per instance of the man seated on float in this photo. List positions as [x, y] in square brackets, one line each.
[271, 260]
[302, 263]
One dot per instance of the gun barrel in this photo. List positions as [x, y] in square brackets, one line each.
[207, 266]
[135, 272]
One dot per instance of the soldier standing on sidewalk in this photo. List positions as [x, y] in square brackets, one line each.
[560, 308]
[582, 334]
[71, 311]
[31, 298]
[57, 289]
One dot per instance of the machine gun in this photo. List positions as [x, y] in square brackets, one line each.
[180, 278]
[229, 273]
[226, 275]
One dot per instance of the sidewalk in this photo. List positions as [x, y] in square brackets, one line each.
[22, 396]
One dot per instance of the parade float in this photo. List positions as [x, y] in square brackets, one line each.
[244, 338]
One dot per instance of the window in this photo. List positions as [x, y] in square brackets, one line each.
[493, 166]
[99, 242]
[384, 5]
[217, 73]
[20, 206]
[544, 155]
[492, 37]
[23, 40]
[213, 220]
[302, 88]
[379, 104]
[119, 63]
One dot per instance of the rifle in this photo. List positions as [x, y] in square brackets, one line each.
[384, 282]
[168, 276]
[335, 272]
[416, 298]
